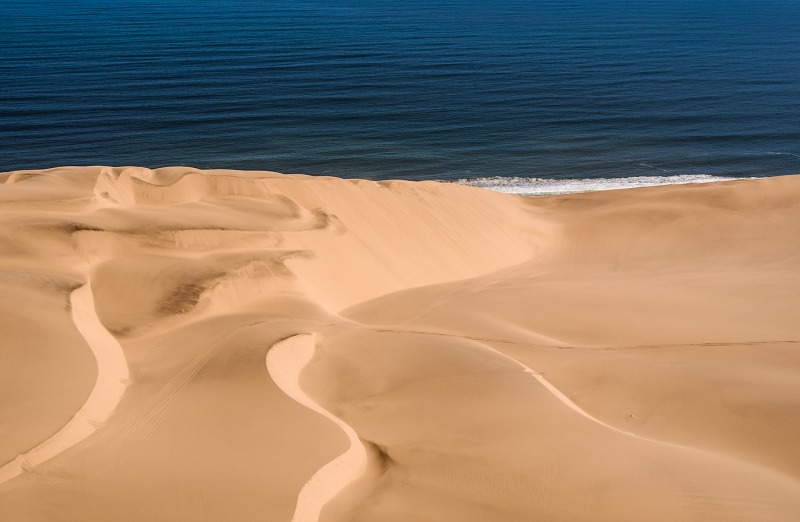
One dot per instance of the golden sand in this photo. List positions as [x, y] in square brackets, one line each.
[178, 344]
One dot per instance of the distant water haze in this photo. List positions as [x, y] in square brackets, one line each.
[449, 90]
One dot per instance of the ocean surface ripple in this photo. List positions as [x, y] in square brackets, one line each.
[433, 89]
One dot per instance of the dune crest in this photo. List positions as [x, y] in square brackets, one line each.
[112, 379]
[285, 361]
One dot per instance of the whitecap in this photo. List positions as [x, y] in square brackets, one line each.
[553, 186]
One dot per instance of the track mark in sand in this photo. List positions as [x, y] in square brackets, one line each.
[285, 360]
[547, 488]
[382, 329]
[537, 375]
[112, 379]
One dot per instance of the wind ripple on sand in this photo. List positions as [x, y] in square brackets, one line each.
[112, 379]
[285, 360]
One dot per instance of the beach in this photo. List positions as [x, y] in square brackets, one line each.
[184, 344]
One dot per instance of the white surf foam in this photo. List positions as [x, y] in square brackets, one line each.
[550, 187]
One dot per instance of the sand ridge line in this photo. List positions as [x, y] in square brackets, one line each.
[381, 329]
[112, 379]
[158, 405]
[285, 361]
[152, 352]
[539, 376]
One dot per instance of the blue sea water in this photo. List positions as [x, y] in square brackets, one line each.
[383, 89]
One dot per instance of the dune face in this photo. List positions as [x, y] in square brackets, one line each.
[285, 361]
[218, 345]
[112, 377]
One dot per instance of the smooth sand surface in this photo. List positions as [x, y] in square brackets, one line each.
[179, 344]
[285, 361]
[112, 377]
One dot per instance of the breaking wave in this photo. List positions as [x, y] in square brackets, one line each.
[551, 186]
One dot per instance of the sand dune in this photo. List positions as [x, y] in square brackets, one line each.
[433, 351]
[112, 377]
[285, 361]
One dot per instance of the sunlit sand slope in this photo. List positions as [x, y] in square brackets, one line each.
[218, 345]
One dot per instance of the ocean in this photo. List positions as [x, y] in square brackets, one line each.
[507, 94]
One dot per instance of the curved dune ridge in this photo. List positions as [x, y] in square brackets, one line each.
[563, 398]
[567, 401]
[285, 361]
[296, 348]
[112, 379]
